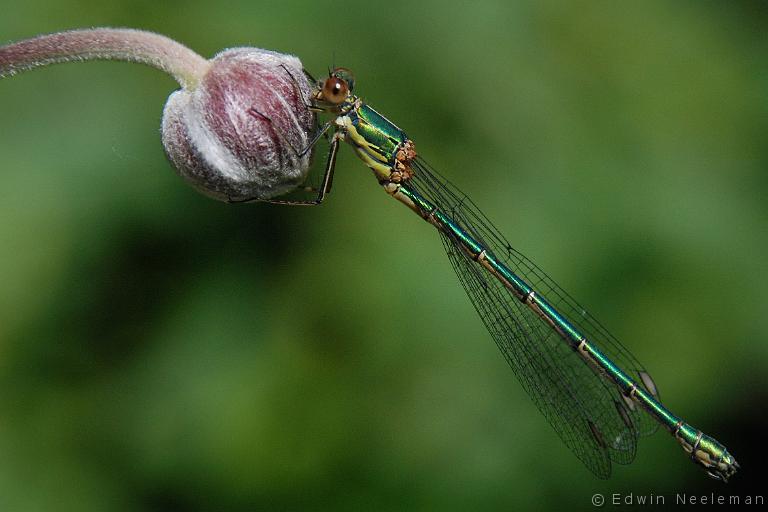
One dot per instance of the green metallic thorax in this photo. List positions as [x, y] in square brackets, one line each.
[375, 139]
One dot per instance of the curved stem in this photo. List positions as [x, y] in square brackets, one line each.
[186, 66]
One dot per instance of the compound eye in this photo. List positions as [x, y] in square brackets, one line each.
[335, 90]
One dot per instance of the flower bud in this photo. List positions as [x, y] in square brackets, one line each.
[238, 134]
[238, 128]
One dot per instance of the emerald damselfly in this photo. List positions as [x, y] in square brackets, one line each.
[596, 395]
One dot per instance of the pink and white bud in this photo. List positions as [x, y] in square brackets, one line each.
[238, 134]
[236, 127]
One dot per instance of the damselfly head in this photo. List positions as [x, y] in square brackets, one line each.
[335, 89]
[346, 75]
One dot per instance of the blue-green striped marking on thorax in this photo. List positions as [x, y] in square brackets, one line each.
[374, 136]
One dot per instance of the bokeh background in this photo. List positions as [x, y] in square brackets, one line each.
[163, 351]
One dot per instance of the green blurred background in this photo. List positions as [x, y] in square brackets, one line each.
[163, 351]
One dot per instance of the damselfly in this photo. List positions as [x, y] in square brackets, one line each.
[591, 389]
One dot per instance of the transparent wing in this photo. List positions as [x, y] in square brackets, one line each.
[588, 412]
[441, 192]
[549, 386]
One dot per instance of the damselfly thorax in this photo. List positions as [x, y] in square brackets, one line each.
[377, 141]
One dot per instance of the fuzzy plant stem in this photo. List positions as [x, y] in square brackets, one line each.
[186, 66]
